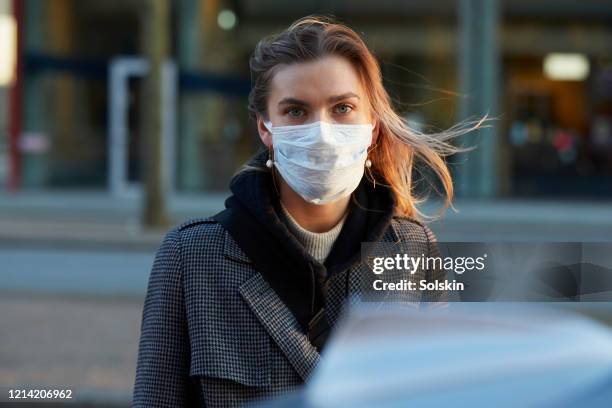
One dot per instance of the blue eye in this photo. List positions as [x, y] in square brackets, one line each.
[344, 108]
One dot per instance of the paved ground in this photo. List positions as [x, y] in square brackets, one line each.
[86, 344]
[77, 271]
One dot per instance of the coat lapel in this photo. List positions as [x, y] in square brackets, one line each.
[280, 324]
[275, 316]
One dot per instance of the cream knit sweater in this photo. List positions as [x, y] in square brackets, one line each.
[317, 244]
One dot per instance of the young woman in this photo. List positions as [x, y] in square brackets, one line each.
[239, 305]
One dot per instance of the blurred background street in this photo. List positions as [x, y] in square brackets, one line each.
[95, 167]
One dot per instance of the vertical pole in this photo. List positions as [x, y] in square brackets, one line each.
[189, 55]
[479, 60]
[156, 32]
[15, 102]
[169, 109]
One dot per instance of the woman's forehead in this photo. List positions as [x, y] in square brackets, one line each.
[315, 79]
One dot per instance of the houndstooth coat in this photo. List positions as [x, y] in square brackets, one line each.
[215, 334]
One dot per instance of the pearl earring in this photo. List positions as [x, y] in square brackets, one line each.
[368, 163]
[269, 163]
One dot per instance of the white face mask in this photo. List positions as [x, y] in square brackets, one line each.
[321, 161]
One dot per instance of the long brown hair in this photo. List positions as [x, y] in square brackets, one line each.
[398, 146]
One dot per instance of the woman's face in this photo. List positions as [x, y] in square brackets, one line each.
[326, 89]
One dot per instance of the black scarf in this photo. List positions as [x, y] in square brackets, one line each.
[252, 221]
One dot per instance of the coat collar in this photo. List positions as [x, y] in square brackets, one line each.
[277, 318]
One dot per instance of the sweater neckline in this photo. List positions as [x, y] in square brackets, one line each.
[317, 244]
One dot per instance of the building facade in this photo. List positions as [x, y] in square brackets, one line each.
[542, 70]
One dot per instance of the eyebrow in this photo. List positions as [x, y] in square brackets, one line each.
[295, 101]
